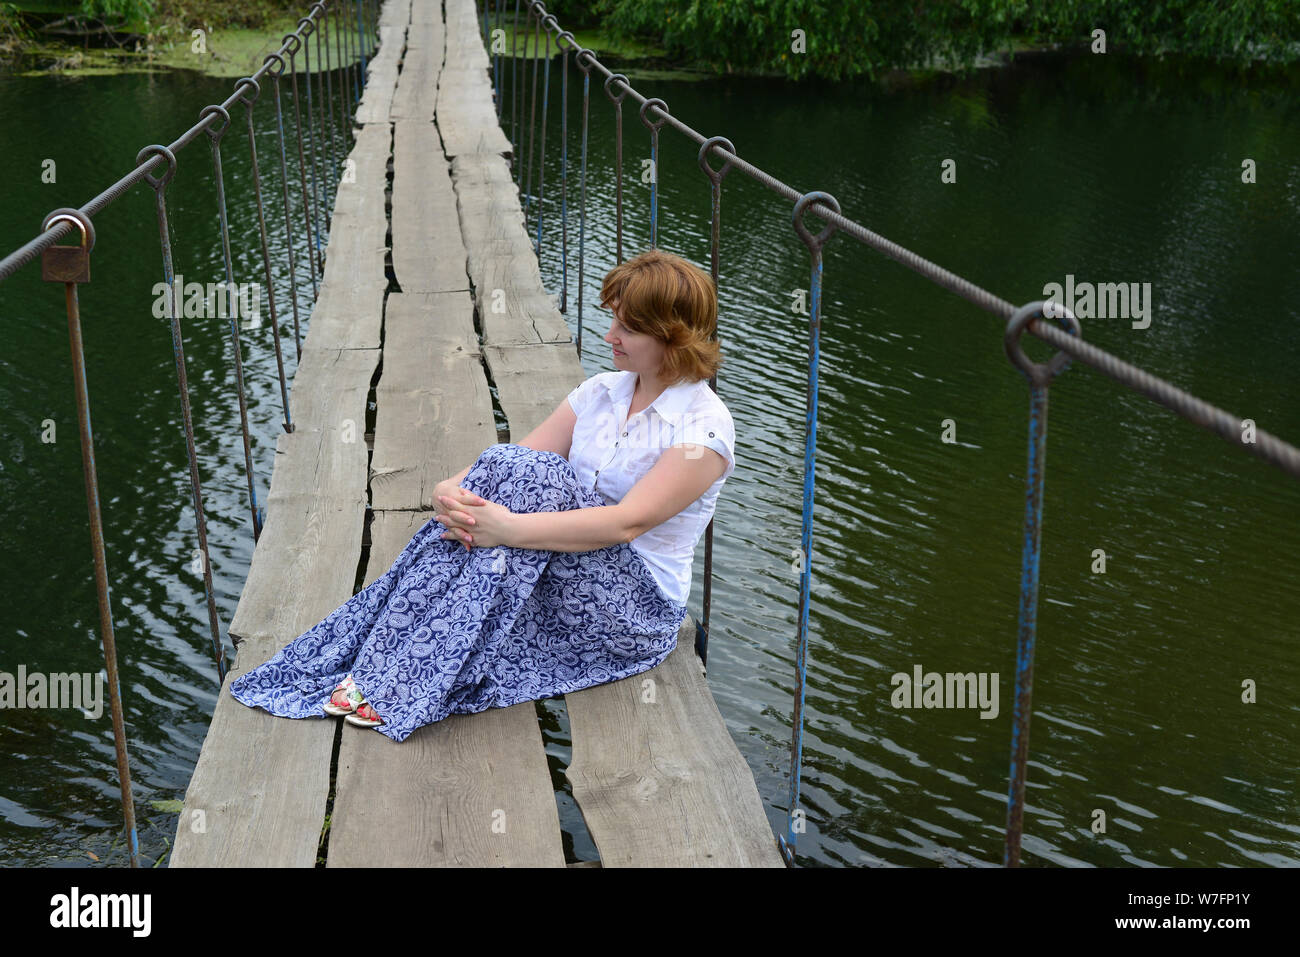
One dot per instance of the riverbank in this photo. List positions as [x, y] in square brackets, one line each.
[236, 51]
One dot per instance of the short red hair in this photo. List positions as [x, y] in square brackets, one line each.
[665, 296]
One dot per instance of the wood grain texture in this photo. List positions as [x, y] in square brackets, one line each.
[466, 109]
[330, 387]
[428, 252]
[531, 381]
[657, 776]
[433, 407]
[417, 86]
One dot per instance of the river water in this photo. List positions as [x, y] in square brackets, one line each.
[1102, 169]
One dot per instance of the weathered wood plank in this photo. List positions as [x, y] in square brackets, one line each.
[512, 298]
[433, 405]
[258, 794]
[330, 388]
[261, 782]
[467, 791]
[417, 87]
[314, 516]
[464, 35]
[428, 252]
[364, 177]
[347, 315]
[381, 70]
[531, 380]
[658, 779]
[466, 112]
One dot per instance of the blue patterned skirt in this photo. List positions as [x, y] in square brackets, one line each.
[446, 631]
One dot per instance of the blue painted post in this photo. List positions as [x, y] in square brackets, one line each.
[1040, 376]
[814, 244]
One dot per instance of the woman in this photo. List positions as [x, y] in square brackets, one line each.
[565, 561]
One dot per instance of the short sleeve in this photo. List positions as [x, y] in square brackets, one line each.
[712, 428]
[580, 398]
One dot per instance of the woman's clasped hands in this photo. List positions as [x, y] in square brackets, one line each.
[470, 518]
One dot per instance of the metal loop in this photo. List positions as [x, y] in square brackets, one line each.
[76, 216]
[1038, 373]
[573, 43]
[534, 6]
[709, 171]
[276, 58]
[307, 24]
[220, 111]
[627, 87]
[658, 104]
[553, 22]
[257, 91]
[813, 242]
[591, 59]
[165, 153]
[296, 40]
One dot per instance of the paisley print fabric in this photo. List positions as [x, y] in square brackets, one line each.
[445, 631]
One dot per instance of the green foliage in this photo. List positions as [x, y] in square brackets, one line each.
[847, 38]
[118, 11]
[13, 32]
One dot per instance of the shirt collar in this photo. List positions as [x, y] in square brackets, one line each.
[673, 401]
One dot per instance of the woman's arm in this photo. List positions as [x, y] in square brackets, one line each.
[682, 474]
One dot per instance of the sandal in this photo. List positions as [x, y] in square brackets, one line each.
[345, 699]
[364, 717]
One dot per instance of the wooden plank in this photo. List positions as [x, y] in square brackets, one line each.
[347, 315]
[512, 300]
[660, 782]
[470, 790]
[467, 791]
[428, 252]
[258, 793]
[531, 380]
[464, 35]
[360, 197]
[417, 87]
[398, 12]
[466, 112]
[433, 404]
[307, 554]
[330, 387]
[381, 70]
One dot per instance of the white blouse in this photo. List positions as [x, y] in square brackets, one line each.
[612, 452]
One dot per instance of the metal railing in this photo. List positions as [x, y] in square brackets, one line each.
[654, 114]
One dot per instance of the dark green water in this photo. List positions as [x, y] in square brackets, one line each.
[1106, 169]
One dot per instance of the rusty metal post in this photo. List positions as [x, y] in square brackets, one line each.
[1040, 376]
[70, 265]
[815, 245]
[715, 237]
[148, 156]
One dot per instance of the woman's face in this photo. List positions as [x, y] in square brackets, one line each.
[633, 351]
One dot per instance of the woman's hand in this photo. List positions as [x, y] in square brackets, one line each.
[447, 496]
[474, 520]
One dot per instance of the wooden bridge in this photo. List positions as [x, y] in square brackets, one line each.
[658, 784]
